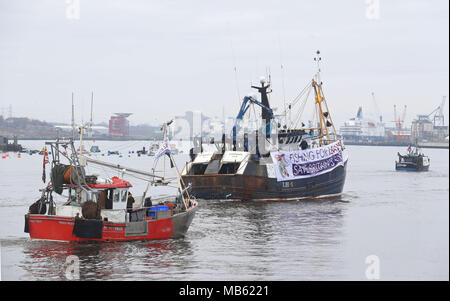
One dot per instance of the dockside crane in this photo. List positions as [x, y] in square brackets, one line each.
[399, 121]
[380, 117]
[438, 117]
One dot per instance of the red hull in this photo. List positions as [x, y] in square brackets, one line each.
[59, 228]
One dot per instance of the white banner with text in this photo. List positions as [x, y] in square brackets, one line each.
[307, 163]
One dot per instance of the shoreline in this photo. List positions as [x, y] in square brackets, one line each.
[437, 145]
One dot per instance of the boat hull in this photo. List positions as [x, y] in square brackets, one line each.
[410, 167]
[59, 228]
[246, 187]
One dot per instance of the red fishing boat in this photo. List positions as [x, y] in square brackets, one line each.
[103, 210]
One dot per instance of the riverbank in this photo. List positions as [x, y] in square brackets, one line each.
[438, 145]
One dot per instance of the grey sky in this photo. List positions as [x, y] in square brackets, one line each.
[158, 59]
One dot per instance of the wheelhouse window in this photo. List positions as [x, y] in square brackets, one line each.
[120, 195]
[119, 198]
[229, 168]
[198, 169]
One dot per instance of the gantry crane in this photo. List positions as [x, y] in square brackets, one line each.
[438, 117]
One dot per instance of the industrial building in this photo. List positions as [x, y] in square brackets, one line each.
[424, 130]
[119, 126]
[9, 147]
[431, 127]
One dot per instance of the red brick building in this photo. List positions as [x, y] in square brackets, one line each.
[119, 126]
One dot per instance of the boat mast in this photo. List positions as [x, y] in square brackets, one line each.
[323, 115]
[81, 148]
[92, 111]
[265, 114]
[184, 189]
[73, 119]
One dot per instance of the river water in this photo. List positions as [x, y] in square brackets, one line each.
[393, 223]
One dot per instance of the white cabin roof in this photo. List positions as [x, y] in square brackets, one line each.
[234, 156]
[203, 158]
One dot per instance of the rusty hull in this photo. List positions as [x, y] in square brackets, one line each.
[249, 187]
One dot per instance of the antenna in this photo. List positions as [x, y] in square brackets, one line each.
[318, 59]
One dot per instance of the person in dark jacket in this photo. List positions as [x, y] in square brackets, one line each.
[130, 201]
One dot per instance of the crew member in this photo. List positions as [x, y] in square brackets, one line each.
[130, 201]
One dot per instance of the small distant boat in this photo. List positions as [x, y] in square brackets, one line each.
[142, 151]
[153, 149]
[414, 160]
[95, 149]
[174, 150]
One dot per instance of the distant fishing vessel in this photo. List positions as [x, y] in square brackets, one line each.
[274, 162]
[94, 149]
[153, 149]
[103, 210]
[414, 160]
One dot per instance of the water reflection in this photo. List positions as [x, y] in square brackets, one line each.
[228, 240]
[254, 240]
[103, 261]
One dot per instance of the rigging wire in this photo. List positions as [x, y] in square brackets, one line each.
[234, 67]
[282, 77]
[294, 102]
[298, 97]
[302, 107]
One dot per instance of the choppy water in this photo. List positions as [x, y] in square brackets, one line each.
[402, 218]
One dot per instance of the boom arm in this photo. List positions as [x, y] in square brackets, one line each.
[404, 114]
[439, 109]
[244, 108]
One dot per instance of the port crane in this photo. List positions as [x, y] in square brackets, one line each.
[399, 121]
[377, 109]
[438, 117]
[247, 101]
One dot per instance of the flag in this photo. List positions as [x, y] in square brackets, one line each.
[163, 150]
[45, 161]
